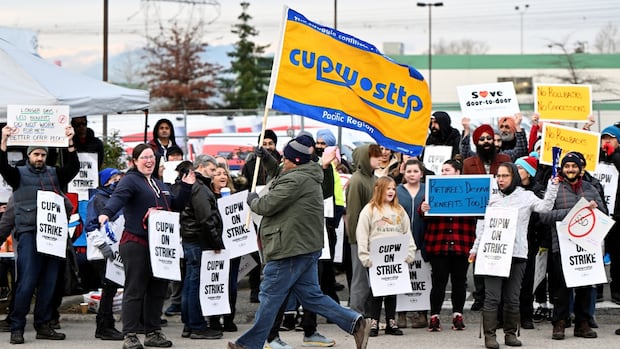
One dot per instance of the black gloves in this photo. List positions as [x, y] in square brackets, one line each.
[251, 197]
[106, 251]
[261, 152]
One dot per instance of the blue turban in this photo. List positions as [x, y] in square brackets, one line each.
[327, 135]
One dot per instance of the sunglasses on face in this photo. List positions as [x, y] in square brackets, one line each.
[485, 138]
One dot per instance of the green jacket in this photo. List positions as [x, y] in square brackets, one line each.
[359, 190]
[292, 213]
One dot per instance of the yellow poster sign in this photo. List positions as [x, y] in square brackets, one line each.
[563, 102]
[570, 139]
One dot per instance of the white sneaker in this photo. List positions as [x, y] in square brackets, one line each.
[277, 344]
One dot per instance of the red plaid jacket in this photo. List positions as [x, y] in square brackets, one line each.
[449, 235]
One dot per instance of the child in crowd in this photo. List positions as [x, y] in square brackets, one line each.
[383, 217]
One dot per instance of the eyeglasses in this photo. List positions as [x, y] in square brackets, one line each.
[485, 138]
[152, 157]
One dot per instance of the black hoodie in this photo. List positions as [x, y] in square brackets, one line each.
[448, 135]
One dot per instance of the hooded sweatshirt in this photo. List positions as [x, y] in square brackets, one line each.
[359, 190]
[448, 135]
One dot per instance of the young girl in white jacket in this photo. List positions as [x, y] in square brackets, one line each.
[382, 217]
[511, 195]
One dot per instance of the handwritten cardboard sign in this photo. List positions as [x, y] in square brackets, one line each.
[570, 139]
[465, 195]
[42, 125]
[563, 102]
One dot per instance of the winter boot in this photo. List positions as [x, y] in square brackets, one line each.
[489, 324]
[511, 323]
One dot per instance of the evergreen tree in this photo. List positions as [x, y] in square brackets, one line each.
[247, 86]
[175, 71]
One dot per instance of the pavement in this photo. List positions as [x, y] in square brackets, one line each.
[80, 330]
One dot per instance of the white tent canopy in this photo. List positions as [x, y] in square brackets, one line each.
[28, 79]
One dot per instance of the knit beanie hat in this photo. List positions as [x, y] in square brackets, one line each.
[299, 150]
[572, 157]
[482, 129]
[529, 164]
[33, 147]
[327, 135]
[106, 174]
[271, 135]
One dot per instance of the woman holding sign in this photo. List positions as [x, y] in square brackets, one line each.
[139, 193]
[513, 196]
[383, 217]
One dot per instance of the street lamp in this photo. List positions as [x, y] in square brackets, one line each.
[525, 7]
[430, 5]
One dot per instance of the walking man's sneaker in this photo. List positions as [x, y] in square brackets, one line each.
[277, 343]
[318, 340]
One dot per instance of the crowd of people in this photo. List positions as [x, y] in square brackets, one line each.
[384, 197]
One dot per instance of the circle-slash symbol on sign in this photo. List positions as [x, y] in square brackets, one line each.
[582, 223]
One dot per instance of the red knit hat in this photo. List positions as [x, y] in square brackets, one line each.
[529, 164]
[482, 129]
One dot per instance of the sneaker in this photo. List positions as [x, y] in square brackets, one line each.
[132, 342]
[391, 328]
[157, 339]
[457, 322]
[361, 333]
[318, 340]
[172, 310]
[434, 325]
[46, 332]
[206, 334]
[17, 337]
[374, 328]
[277, 344]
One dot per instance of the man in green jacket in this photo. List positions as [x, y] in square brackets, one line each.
[291, 234]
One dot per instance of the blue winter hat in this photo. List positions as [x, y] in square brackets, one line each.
[612, 131]
[106, 174]
[327, 135]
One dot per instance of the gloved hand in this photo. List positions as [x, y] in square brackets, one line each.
[261, 152]
[251, 197]
[608, 149]
[106, 251]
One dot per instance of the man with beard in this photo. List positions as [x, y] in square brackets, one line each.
[269, 161]
[511, 138]
[572, 189]
[442, 133]
[486, 161]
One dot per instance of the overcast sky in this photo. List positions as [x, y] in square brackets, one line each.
[71, 30]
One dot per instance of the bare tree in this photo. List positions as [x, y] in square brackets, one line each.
[129, 70]
[607, 40]
[175, 70]
[460, 47]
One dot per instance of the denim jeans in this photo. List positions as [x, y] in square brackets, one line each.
[191, 312]
[298, 275]
[34, 271]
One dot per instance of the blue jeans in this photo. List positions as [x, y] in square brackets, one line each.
[34, 271]
[298, 275]
[191, 312]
